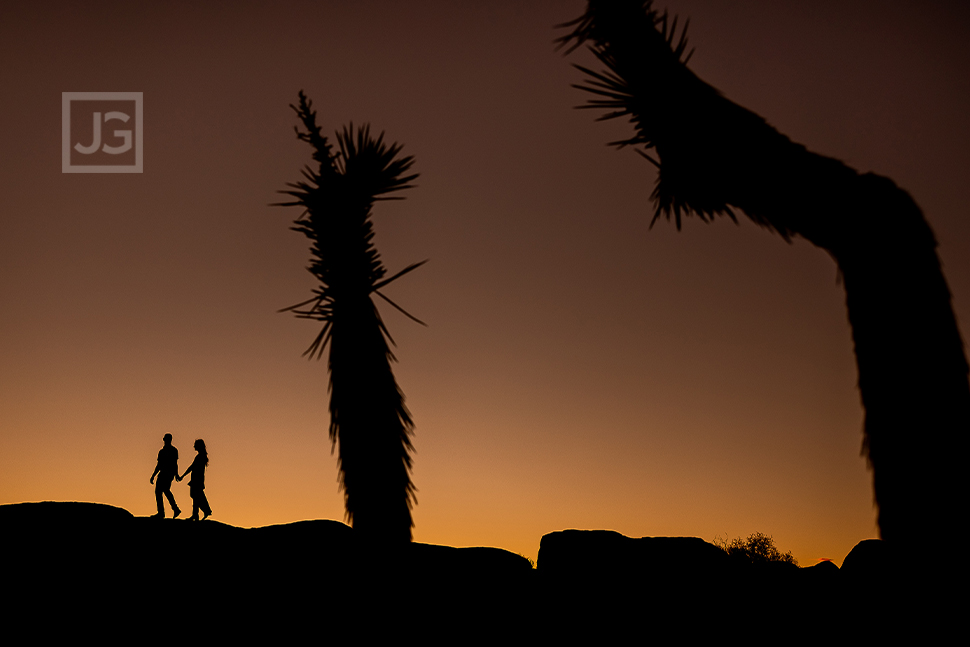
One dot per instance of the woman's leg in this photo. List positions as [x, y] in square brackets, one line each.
[203, 503]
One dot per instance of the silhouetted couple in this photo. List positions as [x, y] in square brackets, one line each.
[167, 469]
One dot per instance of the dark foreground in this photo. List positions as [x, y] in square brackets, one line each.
[90, 570]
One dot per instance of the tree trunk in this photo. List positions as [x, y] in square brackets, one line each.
[369, 425]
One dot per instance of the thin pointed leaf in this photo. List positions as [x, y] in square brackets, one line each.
[412, 266]
[405, 312]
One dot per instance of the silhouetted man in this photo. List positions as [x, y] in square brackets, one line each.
[166, 469]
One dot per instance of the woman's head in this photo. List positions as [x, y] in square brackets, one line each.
[200, 447]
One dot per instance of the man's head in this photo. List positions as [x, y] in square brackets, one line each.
[167, 439]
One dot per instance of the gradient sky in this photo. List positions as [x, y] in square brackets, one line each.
[580, 370]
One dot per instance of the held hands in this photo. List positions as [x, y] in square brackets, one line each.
[178, 478]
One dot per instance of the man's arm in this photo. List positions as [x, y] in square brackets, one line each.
[158, 468]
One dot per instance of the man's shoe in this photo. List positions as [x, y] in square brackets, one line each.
[177, 513]
[158, 515]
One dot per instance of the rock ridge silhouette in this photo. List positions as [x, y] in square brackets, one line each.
[85, 567]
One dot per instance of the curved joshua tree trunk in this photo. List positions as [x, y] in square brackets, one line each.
[369, 424]
[715, 155]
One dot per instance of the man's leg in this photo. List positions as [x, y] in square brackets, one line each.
[171, 500]
[159, 487]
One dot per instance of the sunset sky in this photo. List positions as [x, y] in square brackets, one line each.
[579, 369]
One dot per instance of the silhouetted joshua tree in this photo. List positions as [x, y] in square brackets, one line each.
[713, 155]
[369, 423]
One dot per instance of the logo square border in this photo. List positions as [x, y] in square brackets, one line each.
[68, 97]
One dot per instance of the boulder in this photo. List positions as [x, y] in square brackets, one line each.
[824, 573]
[869, 560]
[608, 555]
[602, 587]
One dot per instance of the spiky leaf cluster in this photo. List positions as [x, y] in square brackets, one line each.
[337, 199]
[674, 113]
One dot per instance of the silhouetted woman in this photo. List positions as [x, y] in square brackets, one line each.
[197, 484]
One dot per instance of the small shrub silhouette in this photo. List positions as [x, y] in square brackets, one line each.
[758, 548]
